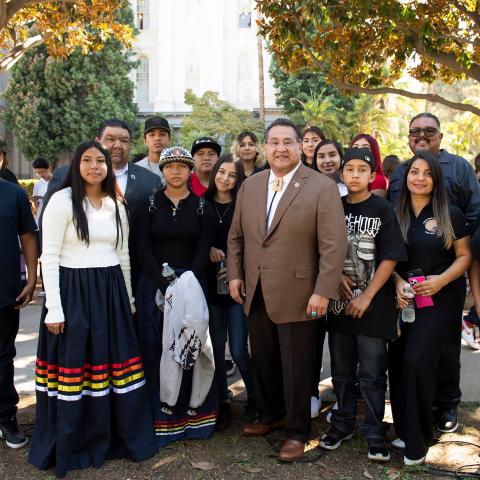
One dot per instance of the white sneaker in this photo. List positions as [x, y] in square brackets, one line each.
[329, 414]
[315, 405]
[471, 335]
[408, 461]
[398, 443]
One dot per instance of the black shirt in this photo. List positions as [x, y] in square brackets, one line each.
[15, 219]
[180, 236]
[223, 215]
[373, 235]
[427, 252]
[8, 175]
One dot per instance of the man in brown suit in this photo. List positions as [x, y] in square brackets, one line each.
[286, 250]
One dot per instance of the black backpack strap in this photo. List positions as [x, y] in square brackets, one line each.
[201, 205]
[151, 204]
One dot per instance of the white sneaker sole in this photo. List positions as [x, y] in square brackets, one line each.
[13, 445]
[378, 457]
[408, 461]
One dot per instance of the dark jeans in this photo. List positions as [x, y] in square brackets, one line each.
[230, 319]
[413, 365]
[370, 354]
[448, 393]
[9, 322]
[282, 368]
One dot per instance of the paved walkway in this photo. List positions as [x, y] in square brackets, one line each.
[27, 345]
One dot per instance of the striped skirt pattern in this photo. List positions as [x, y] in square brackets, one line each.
[91, 396]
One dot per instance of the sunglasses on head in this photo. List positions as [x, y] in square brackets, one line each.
[429, 132]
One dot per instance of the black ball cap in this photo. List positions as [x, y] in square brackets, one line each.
[206, 142]
[156, 122]
[358, 154]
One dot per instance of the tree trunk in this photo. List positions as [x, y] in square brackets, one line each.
[261, 78]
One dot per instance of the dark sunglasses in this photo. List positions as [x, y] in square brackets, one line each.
[429, 132]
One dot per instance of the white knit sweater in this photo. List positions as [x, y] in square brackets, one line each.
[61, 246]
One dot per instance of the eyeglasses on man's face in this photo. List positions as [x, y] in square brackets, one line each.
[429, 132]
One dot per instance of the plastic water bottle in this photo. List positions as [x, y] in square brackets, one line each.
[408, 313]
[222, 286]
[168, 273]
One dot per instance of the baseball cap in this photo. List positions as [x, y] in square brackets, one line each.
[156, 122]
[206, 142]
[358, 154]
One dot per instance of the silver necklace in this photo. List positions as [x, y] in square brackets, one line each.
[220, 217]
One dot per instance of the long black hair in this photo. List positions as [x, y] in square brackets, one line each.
[75, 181]
[439, 200]
[212, 188]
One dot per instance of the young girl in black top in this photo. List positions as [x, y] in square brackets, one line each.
[177, 229]
[437, 242]
[225, 314]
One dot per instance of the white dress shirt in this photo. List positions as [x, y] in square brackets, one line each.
[272, 199]
[122, 176]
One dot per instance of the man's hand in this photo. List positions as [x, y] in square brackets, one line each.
[237, 290]
[216, 255]
[317, 306]
[357, 306]
[26, 295]
[55, 328]
[345, 288]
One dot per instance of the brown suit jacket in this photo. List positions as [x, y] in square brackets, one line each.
[303, 251]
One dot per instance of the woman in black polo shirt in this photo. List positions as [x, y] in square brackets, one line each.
[437, 242]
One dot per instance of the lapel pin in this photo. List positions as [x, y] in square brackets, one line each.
[296, 184]
[132, 176]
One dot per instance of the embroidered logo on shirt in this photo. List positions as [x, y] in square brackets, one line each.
[430, 225]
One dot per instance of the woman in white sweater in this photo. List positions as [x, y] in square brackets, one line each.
[91, 398]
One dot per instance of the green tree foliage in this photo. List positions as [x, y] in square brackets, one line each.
[213, 117]
[54, 104]
[294, 90]
[367, 46]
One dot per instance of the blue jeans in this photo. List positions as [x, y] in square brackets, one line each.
[230, 319]
[370, 354]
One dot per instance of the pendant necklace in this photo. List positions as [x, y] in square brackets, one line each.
[220, 217]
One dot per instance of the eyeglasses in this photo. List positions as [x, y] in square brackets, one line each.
[429, 132]
[286, 143]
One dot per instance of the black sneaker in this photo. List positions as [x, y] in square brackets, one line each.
[447, 420]
[224, 417]
[333, 439]
[378, 454]
[10, 432]
[250, 412]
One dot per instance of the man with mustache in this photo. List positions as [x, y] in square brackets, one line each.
[463, 192]
[205, 151]
[156, 136]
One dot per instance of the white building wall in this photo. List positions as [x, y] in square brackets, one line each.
[198, 44]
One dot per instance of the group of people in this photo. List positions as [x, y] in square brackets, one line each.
[149, 268]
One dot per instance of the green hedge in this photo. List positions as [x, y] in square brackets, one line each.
[27, 184]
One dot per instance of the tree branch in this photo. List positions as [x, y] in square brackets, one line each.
[472, 15]
[448, 60]
[14, 6]
[12, 57]
[431, 97]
